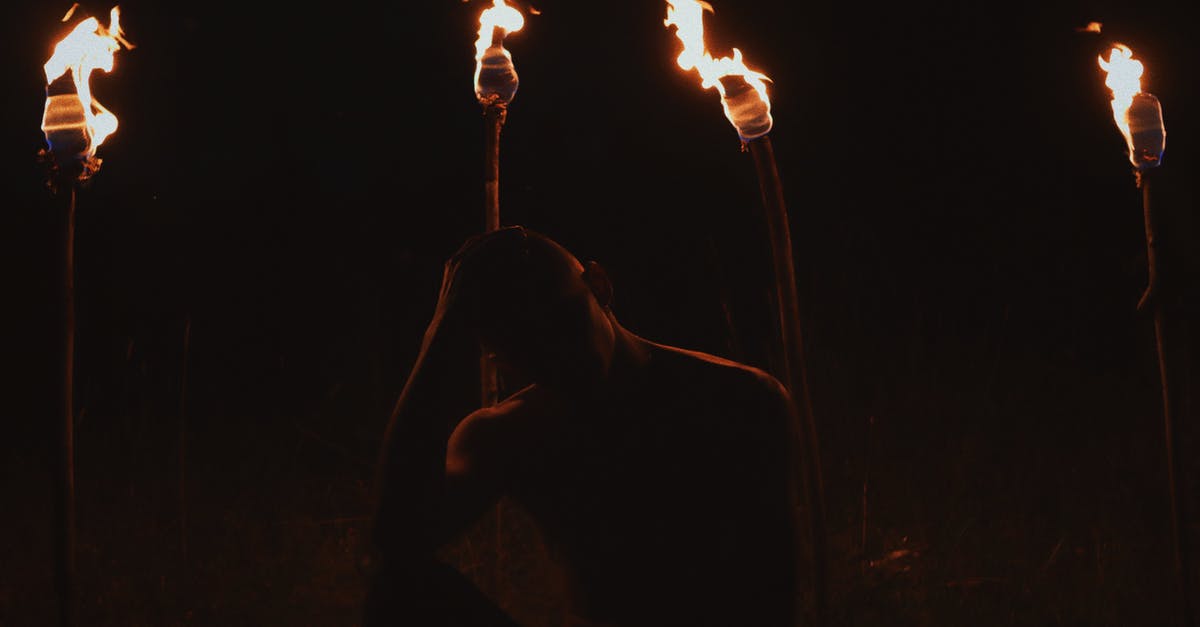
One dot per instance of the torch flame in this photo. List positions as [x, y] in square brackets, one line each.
[89, 46]
[495, 77]
[752, 119]
[1138, 114]
[499, 16]
[1125, 81]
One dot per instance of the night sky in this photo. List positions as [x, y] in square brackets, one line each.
[287, 181]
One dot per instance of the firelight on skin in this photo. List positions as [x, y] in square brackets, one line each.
[745, 101]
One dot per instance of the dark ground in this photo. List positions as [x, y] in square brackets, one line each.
[968, 240]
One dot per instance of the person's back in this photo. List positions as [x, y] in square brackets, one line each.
[670, 504]
[659, 478]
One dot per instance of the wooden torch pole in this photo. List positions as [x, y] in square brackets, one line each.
[64, 547]
[495, 87]
[1158, 297]
[793, 367]
[494, 115]
[496, 83]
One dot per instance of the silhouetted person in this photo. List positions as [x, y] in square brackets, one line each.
[659, 478]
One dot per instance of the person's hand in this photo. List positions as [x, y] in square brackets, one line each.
[451, 308]
[451, 314]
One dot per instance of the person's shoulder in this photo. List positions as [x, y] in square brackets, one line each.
[491, 430]
[741, 401]
[709, 369]
[521, 407]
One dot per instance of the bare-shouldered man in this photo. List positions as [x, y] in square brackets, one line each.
[660, 478]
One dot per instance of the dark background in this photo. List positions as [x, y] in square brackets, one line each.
[286, 182]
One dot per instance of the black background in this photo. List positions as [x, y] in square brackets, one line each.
[286, 182]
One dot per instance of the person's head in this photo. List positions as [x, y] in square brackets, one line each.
[533, 303]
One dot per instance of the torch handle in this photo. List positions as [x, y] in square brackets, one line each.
[793, 368]
[494, 117]
[65, 468]
[1158, 296]
[182, 436]
[489, 375]
[1148, 218]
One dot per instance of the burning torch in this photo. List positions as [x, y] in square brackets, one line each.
[495, 85]
[75, 125]
[1138, 115]
[744, 98]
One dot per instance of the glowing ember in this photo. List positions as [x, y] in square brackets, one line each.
[495, 76]
[1138, 115]
[74, 123]
[743, 91]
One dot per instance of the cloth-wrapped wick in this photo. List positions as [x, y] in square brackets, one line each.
[745, 107]
[64, 121]
[495, 76]
[496, 81]
[1147, 135]
[74, 123]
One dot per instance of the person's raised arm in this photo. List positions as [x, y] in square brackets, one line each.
[438, 468]
[410, 519]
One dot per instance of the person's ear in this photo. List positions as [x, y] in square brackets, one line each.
[597, 280]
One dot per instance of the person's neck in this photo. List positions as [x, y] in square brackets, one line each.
[627, 364]
[630, 358]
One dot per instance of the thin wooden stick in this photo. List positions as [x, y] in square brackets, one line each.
[64, 557]
[1157, 296]
[183, 509]
[793, 369]
[494, 116]
[866, 484]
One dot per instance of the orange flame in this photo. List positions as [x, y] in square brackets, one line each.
[89, 46]
[749, 111]
[1137, 114]
[495, 77]
[1125, 81]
